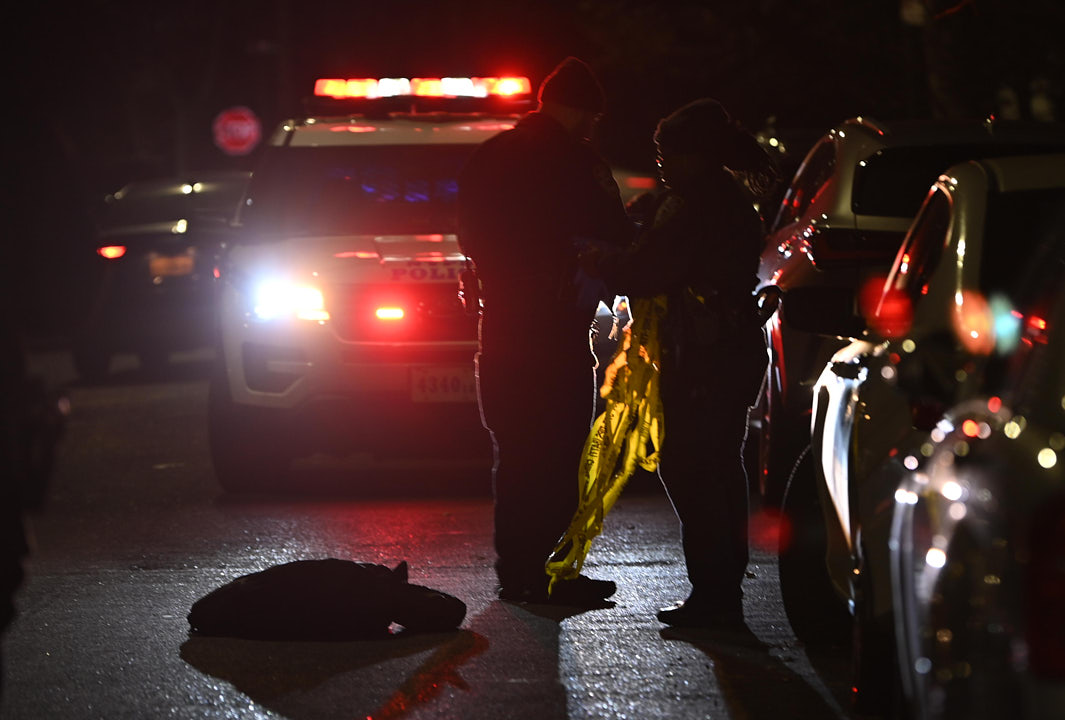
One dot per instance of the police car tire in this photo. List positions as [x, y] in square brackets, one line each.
[247, 450]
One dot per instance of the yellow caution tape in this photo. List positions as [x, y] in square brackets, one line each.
[619, 438]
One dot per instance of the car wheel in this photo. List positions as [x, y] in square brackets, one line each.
[91, 360]
[247, 445]
[817, 614]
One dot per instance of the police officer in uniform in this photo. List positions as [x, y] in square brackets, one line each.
[702, 251]
[529, 200]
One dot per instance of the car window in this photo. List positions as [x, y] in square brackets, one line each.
[895, 181]
[1023, 295]
[386, 189]
[1024, 237]
[154, 202]
[814, 173]
[923, 247]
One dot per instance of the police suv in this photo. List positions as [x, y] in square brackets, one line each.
[341, 326]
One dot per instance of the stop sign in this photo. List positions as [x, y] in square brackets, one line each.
[237, 131]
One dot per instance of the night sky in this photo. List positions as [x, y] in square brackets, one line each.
[132, 87]
[107, 91]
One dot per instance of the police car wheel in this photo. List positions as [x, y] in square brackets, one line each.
[247, 447]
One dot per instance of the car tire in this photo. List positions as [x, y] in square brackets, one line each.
[247, 445]
[817, 614]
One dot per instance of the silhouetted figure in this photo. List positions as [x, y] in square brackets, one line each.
[529, 199]
[701, 251]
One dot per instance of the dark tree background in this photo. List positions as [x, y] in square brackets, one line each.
[106, 91]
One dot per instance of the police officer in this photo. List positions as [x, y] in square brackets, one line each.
[529, 199]
[702, 251]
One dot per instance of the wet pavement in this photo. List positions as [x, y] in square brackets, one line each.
[136, 531]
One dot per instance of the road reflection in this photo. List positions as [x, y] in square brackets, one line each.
[307, 679]
[754, 681]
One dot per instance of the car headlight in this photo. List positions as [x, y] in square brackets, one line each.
[273, 299]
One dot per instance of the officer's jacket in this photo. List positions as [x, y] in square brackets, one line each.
[702, 252]
[529, 198]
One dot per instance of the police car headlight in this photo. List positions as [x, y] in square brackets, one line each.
[273, 299]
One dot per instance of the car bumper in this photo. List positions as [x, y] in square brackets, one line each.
[331, 393]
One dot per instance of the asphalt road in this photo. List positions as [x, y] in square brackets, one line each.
[136, 530]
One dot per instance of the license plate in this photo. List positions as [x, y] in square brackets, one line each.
[443, 385]
[171, 265]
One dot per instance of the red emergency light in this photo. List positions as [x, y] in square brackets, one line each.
[111, 252]
[389, 312]
[448, 87]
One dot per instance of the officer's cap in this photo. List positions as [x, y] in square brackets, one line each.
[573, 84]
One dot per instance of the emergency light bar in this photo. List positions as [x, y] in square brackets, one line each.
[453, 87]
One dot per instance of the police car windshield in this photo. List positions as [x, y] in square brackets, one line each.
[369, 189]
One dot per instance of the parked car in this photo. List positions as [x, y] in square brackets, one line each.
[157, 249]
[978, 536]
[840, 224]
[950, 303]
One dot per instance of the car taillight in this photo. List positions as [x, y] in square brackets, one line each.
[389, 312]
[111, 252]
[1046, 592]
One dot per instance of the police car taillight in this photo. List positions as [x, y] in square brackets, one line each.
[389, 312]
[111, 252]
[449, 87]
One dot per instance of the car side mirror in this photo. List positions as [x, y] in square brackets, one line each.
[822, 310]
